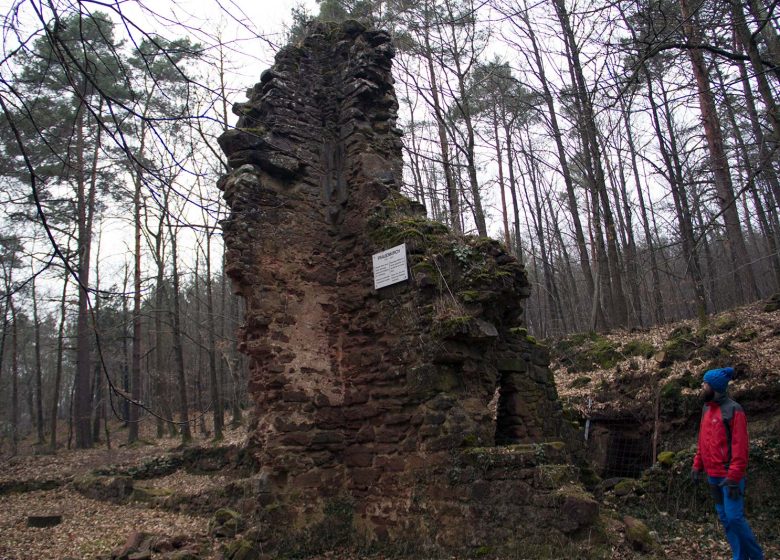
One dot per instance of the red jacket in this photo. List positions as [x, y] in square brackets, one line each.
[720, 453]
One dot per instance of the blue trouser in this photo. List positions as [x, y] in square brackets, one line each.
[731, 513]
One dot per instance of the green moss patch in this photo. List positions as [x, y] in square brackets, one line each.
[666, 458]
[724, 323]
[682, 345]
[638, 347]
[585, 352]
[149, 493]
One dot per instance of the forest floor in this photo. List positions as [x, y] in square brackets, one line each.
[34, 483]
[92, 528]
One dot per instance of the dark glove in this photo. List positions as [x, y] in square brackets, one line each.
[695, 476]
[733, 488]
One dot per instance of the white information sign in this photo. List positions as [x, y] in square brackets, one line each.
[390, 267]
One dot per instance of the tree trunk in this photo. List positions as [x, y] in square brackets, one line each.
[766, 22]
[592, 152]
[14, 378]
[452, 191]
[748, 42]
[766, 229]
[510, 163]
[135, 366]
[574, 320]
[199, 343]
[464, 108]
[627, 230]
[97, 388]
[178, 348]
[679, 196]
[658, 302]
[82, 407]
[499, 160]
[160, 382]
[579, 234]
[551, 291]
[123, 404]
[741, 268]
[766, 149]
[38, 366]
[55, 399]
[216, 400]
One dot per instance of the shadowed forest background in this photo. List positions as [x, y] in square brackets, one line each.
[625, 152]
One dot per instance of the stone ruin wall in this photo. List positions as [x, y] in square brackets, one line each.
[377, 407]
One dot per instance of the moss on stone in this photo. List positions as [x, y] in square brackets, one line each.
[588, 477]
[747, 335]
[405, 230]
[469, 296]
[423, 267]
[682, 344]
[554, 476]
[587, 351]
[450, 326]
[225, 523]
[689, 380]
[335, 530]
[638, 535]
[638, 347]
[723, 324]
[149, 493]
[604, 353]
[241, 549]
[625, 487]
[257, 130]
[671, 391]
[666, 458]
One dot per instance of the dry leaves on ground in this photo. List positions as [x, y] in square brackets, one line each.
[89, 527]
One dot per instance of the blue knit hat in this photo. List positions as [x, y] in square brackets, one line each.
[719, 378]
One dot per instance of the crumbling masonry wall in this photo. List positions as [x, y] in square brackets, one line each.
[375, 410]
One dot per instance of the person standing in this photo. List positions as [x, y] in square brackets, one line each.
[722, 453]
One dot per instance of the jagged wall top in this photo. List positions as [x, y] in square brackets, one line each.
[325, 99]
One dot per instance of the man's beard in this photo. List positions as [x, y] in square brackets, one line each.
[707, 395]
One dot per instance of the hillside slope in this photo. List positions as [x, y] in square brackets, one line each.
[636, 396]
[624, 373]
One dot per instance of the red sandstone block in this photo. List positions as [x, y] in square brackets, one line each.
[294, 396]
[283, 425]
[360, 412]
[391, 464]
[389, 391]
[356, 396]
[370, 358]
[308, 480]
[365, 434]
[358, 459]
[390, 435]
[327, 437]
[297, 439]
[364, 476]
